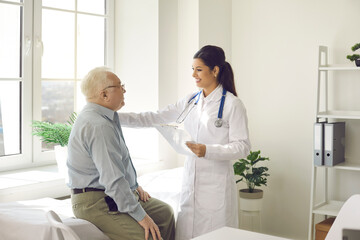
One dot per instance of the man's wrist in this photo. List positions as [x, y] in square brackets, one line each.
[138, 213]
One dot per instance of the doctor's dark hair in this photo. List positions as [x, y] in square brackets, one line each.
[214, 56]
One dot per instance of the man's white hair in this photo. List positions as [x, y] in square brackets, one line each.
[95, 81]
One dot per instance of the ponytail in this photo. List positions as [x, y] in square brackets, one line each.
[226, 78]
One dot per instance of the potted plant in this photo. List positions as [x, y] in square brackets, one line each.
[355, 57]
[55, 134]
[250, 198]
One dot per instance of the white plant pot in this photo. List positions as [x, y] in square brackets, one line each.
[251, 202]
[61, 158]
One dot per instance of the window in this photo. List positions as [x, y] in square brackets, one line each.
[12, 75]
[46, 47]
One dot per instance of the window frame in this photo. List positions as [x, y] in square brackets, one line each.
[31, 154]
[24, 158]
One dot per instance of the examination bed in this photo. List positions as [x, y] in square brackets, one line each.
[28, 219]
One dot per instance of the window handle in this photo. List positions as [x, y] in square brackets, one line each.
[39, 44]
[27, 46]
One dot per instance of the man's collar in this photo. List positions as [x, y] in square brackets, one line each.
[103, 110]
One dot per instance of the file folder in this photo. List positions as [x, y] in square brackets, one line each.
[319, 144]
[334, 143]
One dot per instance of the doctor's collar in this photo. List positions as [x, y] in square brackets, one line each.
[215, 95]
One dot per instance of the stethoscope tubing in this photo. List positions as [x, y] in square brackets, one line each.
[221, 108]
[218, 121]
[197, 100]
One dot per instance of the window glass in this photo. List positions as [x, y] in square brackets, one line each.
[58, 44]
[91, 6]
[57, 102]
[86, 59]
[10, 126]
[10, 38]
[62, 4]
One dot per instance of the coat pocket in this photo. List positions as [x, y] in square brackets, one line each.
[210, 192]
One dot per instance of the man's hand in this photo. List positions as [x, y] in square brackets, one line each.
[144, 196]
[149, 226]
[197, 148]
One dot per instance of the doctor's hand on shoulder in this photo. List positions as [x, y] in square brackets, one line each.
[197, 148]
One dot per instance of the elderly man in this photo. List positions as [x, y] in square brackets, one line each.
[102, 177]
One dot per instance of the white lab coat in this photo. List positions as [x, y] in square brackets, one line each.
[208, 197]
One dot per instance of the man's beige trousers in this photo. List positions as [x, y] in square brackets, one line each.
[93, 207]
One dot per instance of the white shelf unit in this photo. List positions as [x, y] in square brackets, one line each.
[339, 114]
[328, 207]
[338, 67]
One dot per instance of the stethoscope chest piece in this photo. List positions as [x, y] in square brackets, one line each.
[218, 123]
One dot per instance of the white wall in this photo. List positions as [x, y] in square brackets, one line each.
[275, 49]
[136, 63]
[215, 25]
[137, 51]
[168, 68]
[145, 39]
[200, 22]
[188, 43]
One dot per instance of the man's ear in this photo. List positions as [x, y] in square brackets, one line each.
[103, 95]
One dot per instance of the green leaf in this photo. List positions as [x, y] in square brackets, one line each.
[253, 155]
[53, 133]
[239, 168]
[252, 175]
[355, 47]
[353, 57]
[72, 118]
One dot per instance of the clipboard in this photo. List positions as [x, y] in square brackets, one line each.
[177, 138]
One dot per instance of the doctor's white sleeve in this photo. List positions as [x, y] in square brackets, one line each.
[149, 119]
[239, 143]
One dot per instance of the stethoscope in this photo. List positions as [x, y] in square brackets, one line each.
[218, 122]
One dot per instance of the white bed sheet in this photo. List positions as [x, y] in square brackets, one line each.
[27, 219]
[164, 185]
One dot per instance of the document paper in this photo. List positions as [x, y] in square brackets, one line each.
[177, 138]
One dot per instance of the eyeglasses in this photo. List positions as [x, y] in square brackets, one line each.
[116, 86]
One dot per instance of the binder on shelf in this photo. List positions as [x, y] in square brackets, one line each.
[319, 143]
[334, 143]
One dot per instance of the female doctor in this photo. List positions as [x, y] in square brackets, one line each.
[217, 122]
